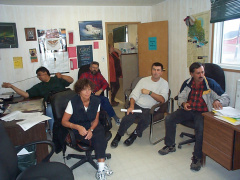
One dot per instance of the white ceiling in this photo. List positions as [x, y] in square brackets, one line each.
[82, 2]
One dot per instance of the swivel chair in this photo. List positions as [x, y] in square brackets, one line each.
[65, 137]
[44, 170]
[212, 71]
[156, 116]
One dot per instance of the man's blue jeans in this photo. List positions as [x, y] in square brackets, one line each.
[49, 113]
[180, 116]
[105, 104]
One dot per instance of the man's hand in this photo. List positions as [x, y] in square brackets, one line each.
[59, 75]
[98, 92]
[129, 110]
[217, 105]
[145, 91]
[89, 135]
[187, 106]
[82, 131]
[6, 85]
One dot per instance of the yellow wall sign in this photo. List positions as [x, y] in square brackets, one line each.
[17, 61]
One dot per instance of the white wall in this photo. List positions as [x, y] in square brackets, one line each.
[43, 17]
[175, 11]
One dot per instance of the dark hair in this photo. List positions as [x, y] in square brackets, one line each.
[194, 66]
[43, 69]
[94, 62]
[81, 84]
[158, 64]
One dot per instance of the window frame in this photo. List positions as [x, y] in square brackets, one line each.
[217, 48]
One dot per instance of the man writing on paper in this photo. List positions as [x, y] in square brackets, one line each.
[197, 95]
[48, 84]
[148, 92]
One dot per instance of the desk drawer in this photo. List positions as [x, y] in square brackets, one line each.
[217, 155]
[218, 136]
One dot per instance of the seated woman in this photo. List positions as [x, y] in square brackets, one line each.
[82, 115]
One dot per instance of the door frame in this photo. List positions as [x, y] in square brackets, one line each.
[106, 35]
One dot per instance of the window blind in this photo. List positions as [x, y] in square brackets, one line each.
[223, 10]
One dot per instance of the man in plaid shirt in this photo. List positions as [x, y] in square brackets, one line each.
[100, 85]
[197, 95]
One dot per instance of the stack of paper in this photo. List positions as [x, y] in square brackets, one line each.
[29, 119]
[228, 114]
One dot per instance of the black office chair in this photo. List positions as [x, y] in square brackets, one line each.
[65, 137]
[211, 71]
[156, 116]
[44, 170]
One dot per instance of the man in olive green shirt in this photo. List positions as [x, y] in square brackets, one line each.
[48, 84]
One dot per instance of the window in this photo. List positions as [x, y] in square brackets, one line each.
[226, 47]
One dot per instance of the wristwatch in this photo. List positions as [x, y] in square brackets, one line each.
[91, 130]
[150, 92]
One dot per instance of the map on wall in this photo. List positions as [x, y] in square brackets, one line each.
[198, 39]
[53, 50]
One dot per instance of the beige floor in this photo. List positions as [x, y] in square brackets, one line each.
[141, 161]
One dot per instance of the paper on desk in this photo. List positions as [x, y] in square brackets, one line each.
[4, 96]
[229, 120]
[229, 112]
[135, 110]
[13, 115]
[32, 119]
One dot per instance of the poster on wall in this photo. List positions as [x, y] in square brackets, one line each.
[33, 54]
[8, 35]
[198, 39]
[90, 30]
[53, 49]
[84, 55]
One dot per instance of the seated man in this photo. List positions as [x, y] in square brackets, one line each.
[197, 95]
[144, 99]
[100, 85]
[48, 84]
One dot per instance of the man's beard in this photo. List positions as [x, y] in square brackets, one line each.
[94, 72]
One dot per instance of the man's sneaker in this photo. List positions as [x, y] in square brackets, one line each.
[167, 149]
[107, 170]
[118, 121]
[196, 164]
[101, 175]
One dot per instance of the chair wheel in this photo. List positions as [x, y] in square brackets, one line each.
[181, 135]
[68, 157]
[179, 147]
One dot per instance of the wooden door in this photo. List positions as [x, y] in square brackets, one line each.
[159, 31]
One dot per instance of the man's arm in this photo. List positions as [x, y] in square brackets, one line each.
[17, 90]
[155, 96]
[131, 107]
[65, 77]
[103, 84]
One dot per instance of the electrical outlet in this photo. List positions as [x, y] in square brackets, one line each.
[103, 58]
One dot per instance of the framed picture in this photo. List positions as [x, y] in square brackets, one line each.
[90, 30]
[30, 34]
[8, 35]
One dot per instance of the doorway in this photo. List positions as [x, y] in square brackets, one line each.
[129, 53]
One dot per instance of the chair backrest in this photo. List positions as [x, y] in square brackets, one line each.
[215, 72]
[134, 82]
[8, 157]
[84, 69]
[59, 103]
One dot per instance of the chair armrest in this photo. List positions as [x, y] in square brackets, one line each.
[50, 143]
[163, 107]
[154, 107]
[72, 137]
[127, 93]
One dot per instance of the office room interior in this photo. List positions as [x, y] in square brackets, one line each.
[68, 16]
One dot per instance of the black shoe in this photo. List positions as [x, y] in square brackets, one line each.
[167, 149]
[130, 140]
[196, 164]
[116, 140]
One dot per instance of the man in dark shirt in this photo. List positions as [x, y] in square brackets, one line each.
[100, 85]
[197, 95]
[48, 84]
